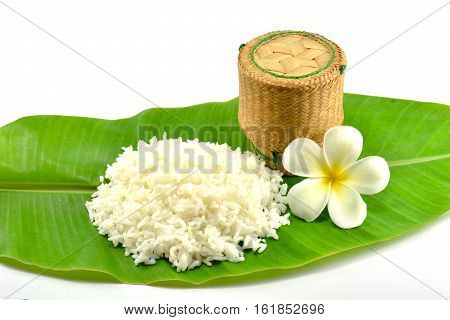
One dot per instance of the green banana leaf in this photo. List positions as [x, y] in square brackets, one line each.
[50, 165]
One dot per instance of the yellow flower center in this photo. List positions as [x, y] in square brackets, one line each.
[336, 174]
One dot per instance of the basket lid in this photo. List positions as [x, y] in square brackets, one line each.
[293, 54]
[291, 59]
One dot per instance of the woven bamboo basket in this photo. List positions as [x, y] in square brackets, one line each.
[290, 86]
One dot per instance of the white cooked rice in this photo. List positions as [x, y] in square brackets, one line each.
[189, 218]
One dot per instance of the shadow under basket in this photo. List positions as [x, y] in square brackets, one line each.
[290, 86]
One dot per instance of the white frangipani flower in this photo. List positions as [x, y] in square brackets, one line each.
[334, 177]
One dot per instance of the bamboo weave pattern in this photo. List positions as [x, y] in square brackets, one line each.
[292, 54]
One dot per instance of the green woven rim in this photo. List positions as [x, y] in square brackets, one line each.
[262, 41]
[275, 158]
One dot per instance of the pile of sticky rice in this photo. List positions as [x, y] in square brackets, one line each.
[190, 202]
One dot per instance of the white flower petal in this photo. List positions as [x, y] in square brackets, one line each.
[366, 176]
[303, 157]
[342, 146]
[308, 198]
[346, 207]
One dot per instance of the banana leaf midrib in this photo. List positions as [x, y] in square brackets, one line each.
[88, 188]
[44, 187]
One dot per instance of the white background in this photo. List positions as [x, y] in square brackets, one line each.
[178, 53]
